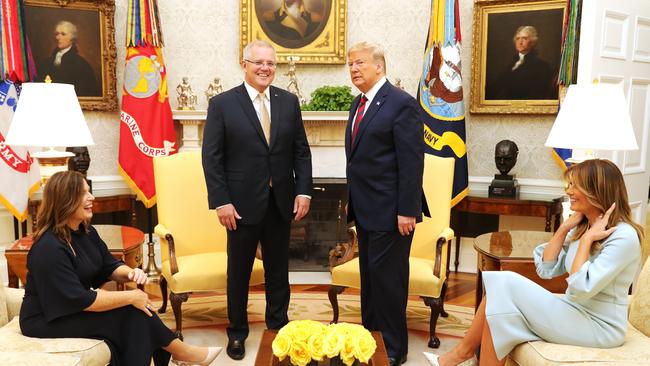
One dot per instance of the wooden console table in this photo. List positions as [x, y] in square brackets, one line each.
[125, 202]
[526, 204]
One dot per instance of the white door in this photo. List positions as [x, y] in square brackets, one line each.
[615, 48]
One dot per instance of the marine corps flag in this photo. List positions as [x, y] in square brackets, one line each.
[146, 128]
[440, 92]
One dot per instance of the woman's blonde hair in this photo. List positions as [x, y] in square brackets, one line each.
[602, 183]
[62, 195]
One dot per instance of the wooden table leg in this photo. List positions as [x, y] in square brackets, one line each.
[457, 254]
[479, 288]
[556, 224]
[13, 278]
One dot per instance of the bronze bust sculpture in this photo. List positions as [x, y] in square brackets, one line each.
[505, 158]
[80, 161]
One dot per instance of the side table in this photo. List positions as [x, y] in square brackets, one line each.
[512, 251]
[124, 243]
[526, 204]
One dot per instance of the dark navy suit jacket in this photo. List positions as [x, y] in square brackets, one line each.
[238, 163]
[386, 161]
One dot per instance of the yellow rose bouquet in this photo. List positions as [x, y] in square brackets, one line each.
[305, 341]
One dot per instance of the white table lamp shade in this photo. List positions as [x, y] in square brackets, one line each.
[48, 115]
[593, 117]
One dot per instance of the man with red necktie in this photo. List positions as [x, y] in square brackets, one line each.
[385, 161]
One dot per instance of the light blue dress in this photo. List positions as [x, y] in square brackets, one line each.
[591, 313]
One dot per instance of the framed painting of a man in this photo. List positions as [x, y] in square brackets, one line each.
[313, 30]
[74, 43]
[516, 56]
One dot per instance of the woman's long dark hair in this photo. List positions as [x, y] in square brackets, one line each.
[62, 195]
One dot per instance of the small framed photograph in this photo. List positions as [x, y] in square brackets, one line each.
[313, 30]
[74, 43]
[516, 56]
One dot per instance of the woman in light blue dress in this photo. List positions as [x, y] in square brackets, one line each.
[599, 246]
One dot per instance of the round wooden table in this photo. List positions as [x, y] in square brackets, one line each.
[124, 243]
[512, 251]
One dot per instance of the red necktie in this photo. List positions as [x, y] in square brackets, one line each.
[357, 121]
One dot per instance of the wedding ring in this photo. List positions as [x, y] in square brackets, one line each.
[148, 306]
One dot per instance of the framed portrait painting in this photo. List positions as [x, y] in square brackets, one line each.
[313, 30]
[74, 43]
[516, 56]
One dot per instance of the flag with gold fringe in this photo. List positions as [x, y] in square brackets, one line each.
[440, 92]
[147, 127]
[20, 174]
[568, 73]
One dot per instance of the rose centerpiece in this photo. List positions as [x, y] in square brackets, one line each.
[304, 341]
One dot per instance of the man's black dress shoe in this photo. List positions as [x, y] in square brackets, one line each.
[394, 361]
[235, 349]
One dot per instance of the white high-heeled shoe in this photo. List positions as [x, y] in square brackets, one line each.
[432, 358]
[213, 352]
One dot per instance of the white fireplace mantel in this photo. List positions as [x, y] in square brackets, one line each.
[325, 133]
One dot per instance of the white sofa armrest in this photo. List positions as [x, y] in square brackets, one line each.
[14, 300]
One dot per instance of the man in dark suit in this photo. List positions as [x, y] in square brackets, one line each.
[385, 160]
[257, 167]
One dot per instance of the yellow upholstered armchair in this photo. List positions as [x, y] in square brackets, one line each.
[428, 259]
[193, 243]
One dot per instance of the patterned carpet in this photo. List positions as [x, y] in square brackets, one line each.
[206, 311]
[205, 319]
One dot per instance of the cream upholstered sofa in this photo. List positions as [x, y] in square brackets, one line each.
[635, 350]
[19, 350]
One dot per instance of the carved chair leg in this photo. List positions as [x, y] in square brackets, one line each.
[443, 294]
[332, 294]
[163, 291]
[436, 305]
[177, 300]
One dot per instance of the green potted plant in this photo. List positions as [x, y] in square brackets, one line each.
[330, 98]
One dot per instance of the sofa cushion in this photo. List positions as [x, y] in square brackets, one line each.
[3, 305]
[634, 351]
[88, 351]
[639, 315]
[37, 358]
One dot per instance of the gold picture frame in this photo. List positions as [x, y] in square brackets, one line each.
[89, 64]
[317, 36]
[505, 81]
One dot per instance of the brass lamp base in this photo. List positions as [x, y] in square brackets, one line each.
[152, 271]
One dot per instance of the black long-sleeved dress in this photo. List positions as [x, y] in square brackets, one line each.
[58, 289]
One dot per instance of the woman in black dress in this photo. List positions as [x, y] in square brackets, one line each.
[66, 267]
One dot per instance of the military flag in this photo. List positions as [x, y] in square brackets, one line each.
[147, 127]
[440, 92]
[20, 174]
[568, 73]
